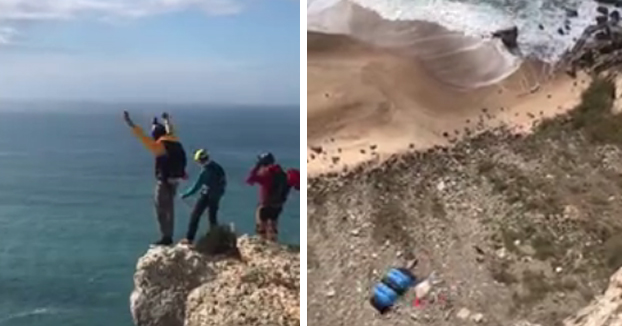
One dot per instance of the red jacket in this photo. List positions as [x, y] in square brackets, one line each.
[264, 178]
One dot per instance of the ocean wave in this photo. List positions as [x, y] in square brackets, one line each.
[546, 30]
[29, 313]
[451, 57]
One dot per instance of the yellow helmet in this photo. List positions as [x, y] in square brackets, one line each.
[201, 155]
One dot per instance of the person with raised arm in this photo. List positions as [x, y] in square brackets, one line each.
[170, 170]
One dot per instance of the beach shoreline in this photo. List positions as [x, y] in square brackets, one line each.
[379, 87]
[367, 104]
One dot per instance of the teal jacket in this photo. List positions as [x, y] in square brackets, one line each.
[212, 180]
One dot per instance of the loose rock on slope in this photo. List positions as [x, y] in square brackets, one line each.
[522, 229]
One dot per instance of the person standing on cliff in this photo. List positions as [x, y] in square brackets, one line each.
[212, 182]
[274, 187]
[170, 169]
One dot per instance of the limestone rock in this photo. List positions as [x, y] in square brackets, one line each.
[257, 285]
[463, 313]
[478, 318]
[603, 311]
[163, 279]
[423, 289]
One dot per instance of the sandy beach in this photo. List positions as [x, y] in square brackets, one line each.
[366, 103]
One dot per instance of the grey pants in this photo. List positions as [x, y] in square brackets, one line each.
[165, 193]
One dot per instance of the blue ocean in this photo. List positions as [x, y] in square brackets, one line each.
[76, 199]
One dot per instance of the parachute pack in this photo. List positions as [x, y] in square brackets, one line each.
[282, 184]
[293, 178]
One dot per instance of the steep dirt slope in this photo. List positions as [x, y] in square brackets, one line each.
[517, 228]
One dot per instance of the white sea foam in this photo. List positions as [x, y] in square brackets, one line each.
[28, 313]
[471, 18]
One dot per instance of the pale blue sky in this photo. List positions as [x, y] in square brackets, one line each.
[206, 51]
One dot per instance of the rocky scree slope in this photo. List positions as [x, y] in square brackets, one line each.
[518, 229]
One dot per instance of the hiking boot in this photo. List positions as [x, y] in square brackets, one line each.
[166, 241]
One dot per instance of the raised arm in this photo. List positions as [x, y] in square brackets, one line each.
[256, 176]
[170, 130]
[154, 147]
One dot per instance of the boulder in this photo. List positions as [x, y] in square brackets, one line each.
[614, 17]
[508, 36]
[164, 277]
[572, 13]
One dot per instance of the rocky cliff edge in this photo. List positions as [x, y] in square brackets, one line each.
[605, 310]
[257, 283]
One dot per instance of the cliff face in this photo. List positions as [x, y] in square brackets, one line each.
[178, 286]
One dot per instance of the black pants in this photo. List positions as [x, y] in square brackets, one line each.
[208, 201]
[267, 220]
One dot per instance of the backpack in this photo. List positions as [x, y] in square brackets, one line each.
[218, 181]
[280, 188]
[174, 163]
[293, 178]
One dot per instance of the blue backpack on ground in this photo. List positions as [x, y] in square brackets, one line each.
[395, 283]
